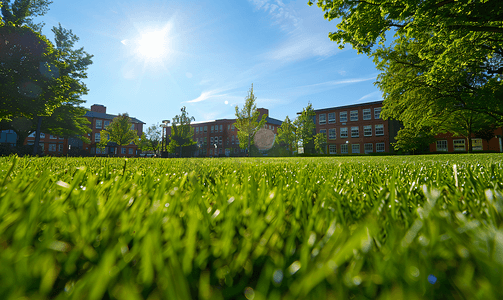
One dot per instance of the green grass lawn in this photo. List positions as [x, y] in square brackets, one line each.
[424, 227]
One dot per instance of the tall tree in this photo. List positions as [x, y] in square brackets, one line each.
[320, 142]
[287, 135]
[22, 12]
[247, 122]
[412, 139]
[151, 140]
[119, 131]
[306, 128]
[445, 55]
[181, 132]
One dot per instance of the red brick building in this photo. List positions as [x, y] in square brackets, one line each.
[355, 129]
[99, 119]
[446, 142]
[219, 137]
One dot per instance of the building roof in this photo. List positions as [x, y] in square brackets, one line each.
[93, 114]
[348, 106]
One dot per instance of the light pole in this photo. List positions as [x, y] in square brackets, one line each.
[350, 151]
[164, 125]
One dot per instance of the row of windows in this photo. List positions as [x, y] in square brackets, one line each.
[355, 148]
[459, 145]
[353, 116]
[101, 124]
[221, 151]
[355, 131]
[219, 128]
[42, 136]
[217, 140]
[123, 150]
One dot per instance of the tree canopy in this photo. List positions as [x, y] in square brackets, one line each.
[287, 135]
[437, 58]
[306, 128]
[119, 131]
[247, 122]
[181, 132]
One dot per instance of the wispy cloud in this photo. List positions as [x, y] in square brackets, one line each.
[376, 95]
[283, 15]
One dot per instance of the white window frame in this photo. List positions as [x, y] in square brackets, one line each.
[343, 116]
[221, 127]
[368, 148]
[367, 114]
[377, 113]
[478, 141]
[211, 140]
[331, 120]
[106, 123]
[344, 132]
[60, 147]
[130, 151]
[379, 146]
[353, 115]
[52, 137]
[332, 134]
[355, 148]
[322, 119]
[52, 147]
[212, 129]
[220, 140]
[442, 146]
[459, 142]
[379, 129]
[97, 137]
[344, 149]
[323, 131]
[42, 135]
[367, 130]
[98, 124]
[332, 149]
[355, 131]
[197, 130]
[123, 150]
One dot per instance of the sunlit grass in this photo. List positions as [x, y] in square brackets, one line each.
[425, 227]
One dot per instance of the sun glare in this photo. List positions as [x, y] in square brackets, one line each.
[153, 45]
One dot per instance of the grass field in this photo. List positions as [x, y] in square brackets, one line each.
[425, 227]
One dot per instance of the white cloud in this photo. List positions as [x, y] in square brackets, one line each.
[376, 95]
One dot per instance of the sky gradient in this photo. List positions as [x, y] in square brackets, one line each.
[206, 55]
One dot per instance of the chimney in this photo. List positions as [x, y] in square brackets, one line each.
[263, 111]
[99, 108]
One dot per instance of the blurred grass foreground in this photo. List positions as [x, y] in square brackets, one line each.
[427, 227]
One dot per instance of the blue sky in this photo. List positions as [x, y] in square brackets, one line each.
[205, 55]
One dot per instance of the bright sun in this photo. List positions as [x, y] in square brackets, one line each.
[153, 45]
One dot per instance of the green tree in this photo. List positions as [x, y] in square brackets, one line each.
[119, 131]
[181, 132]
[247, 122]
[445, 56]
[411, 139]
[320, 142]
[151, 140]
[287, 135]
[306, 127]
[22, 12]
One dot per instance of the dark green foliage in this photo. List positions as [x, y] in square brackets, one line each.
[304, 228]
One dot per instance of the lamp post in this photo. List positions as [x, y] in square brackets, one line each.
[350, 151]
[164, 125]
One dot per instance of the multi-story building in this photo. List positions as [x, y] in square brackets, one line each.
[447, 142]
[219, 137]
[99, 119]
[357, 128]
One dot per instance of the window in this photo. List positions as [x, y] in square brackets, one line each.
[232, 127]
[332, 135]
[459, 145]
[477, 144]
[52, 137]
[221, 128]
[323, 119]
[366, 114]
[52, 147]
[344, 132]
[98, 124]
[211, 151]
[60, 148]
[343, 116]
[205, 129]
[61, 138]
[314, 119]
[355, 131]
[232, 140]
[130, 150]
[368, 148]
[132, 126]
[123, 150]
[212, 128]
[344, 149]
[97, 137]
[442, 145]
[42, 135]
[354, 115]
[211, 140]
[331, 118]
[197, 130]
[367, 130]
[98, 151]
[201, 129]
[106, 123]
[380, 147]
[32, 135]
[379, 129]
[332, 149]
[355, 148]
[220, 140]
[228, 140]
[377, 113]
